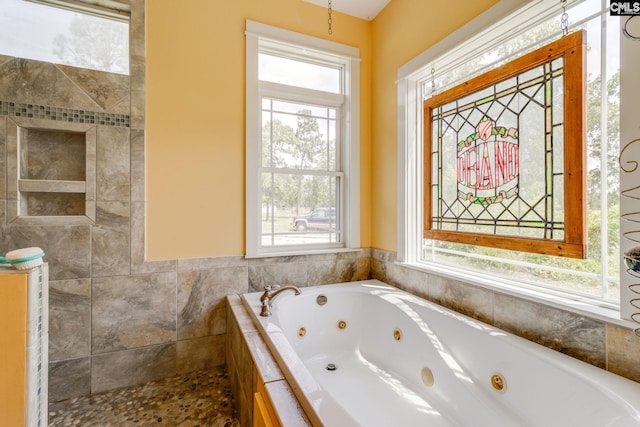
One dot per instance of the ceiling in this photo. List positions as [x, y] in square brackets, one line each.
[363, 9]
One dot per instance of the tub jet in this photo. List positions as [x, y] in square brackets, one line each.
[331, 367]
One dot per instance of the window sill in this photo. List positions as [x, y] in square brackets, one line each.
[583, 306]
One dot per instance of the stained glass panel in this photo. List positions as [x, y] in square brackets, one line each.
[497, 149]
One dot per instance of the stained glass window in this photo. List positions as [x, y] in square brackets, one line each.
[505, 155]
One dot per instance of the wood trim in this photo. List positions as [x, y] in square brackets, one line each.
[264, 414]
[573, 51]
[261, 416]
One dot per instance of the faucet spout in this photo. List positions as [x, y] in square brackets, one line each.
[268, 296]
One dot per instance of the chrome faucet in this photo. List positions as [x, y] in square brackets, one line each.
[269, 295]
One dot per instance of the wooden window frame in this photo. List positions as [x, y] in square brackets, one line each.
[572, 49]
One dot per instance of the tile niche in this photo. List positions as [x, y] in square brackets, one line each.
[52, 171]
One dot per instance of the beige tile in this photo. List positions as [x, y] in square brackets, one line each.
[569, 333]
[69, 319]
[234, 299]
[113, 177]
[337, 271]
[245, 322]
[201, 299]
[133, 311]
[198, 354]
[138, 366]
[246, 373]
[464, 298]
[105, 89]
[284, 273]
[41, 83]
[210, 263]
[289, 412]
[69, 378]
[265, 363]
[53, 154]
[379, 270]
[67, 248]
[91, 145]
[623, 352]
[138, 177]
[5, 58]
[413, 281]
[110, 239]
[234, 336]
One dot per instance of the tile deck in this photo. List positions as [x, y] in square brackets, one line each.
[197, 399]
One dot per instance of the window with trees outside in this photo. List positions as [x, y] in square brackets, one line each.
[80, 34]
[594, 279]
[300, 145]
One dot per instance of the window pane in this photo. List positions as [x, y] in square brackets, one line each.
[528, 268]
[596, 276]
[34, 31]
[304, 74]
[298, 136]
[299, 209]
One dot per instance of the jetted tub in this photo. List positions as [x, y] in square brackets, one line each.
[367, 354]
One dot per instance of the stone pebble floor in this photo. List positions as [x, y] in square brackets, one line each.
[197, 399]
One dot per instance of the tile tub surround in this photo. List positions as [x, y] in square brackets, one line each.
[249, 361]
[605, 345]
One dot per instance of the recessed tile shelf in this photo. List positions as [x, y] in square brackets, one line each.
[51, 186]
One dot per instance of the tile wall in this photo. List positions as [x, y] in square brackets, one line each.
[249, 362]
[114, 320]
[604, 345]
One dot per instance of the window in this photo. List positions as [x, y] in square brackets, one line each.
[302, 143]
[71, 33]
[509, 31]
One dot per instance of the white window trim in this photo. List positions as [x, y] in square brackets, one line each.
[110, 9]
[350, 131]
[410, 166]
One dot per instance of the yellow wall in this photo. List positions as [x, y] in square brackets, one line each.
[404, 29]
[196, 108]
[195, 118]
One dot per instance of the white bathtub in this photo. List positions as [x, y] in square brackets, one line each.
[402, 361]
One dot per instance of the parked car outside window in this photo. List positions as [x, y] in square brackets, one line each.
[321, 218]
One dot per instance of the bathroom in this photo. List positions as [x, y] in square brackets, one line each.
[138, 293]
